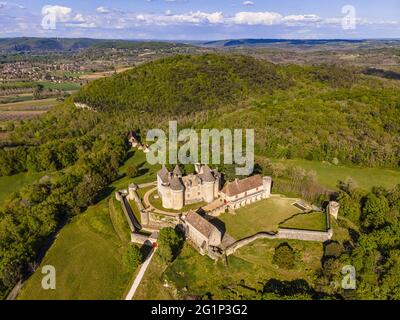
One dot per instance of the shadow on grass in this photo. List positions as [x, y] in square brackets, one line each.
[103, 194]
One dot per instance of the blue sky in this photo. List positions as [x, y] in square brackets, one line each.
[201, 19]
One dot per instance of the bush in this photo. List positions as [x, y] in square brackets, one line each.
[132, 257]
[284, 256]
[333, 249]
[132, 171]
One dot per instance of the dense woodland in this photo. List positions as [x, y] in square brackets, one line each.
[319, 113]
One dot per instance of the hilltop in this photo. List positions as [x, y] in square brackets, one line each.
[183, 84]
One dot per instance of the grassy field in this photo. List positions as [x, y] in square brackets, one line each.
[11, 184]
[147, 172]
[310, 221]
[87, 255]
[264, 215]
[329, 174]
[193, 274]
[151, 287]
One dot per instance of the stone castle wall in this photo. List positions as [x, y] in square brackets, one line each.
[290, 234]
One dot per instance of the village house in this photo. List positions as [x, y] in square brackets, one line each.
[239, 193]
[177, 191]
[201, 232]
[135, 142]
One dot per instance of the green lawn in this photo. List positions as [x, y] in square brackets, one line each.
[264, 215]
[147, 172]
[329, 174]
[10, 184]
[87, 255]
[151, 286]
[315, 221]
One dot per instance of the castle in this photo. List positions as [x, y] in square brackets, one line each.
[177, 191]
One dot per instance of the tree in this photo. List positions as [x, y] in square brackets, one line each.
[132, 257]
[132, 171]
[284, 256]
[169, 243]
[375, 211]
[37, 94]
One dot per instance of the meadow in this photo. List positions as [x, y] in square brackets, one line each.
[87, 255]
[329, 174]
[10, 184]
[87, 252]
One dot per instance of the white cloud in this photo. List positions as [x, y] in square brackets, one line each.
[197, 17]
[103, 10]
[256, 18]
[248, 3]
[60, 13]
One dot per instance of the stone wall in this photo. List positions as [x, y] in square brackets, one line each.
[144, 216]
[306, 235]
[134, 225]
[290, 234]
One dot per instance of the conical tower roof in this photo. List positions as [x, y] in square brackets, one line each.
[207, 175]
[177, 171]
[176, 184]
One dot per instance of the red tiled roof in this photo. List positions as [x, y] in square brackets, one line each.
[240, 186]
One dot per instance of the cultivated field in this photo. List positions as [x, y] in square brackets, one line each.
[26, 109]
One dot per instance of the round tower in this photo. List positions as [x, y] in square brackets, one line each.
[177, 193]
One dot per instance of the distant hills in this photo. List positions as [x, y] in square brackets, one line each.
[293, 42]
[27, 44]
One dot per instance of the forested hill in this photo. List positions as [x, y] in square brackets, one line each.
[36, 45]
[183, 84]
[324, 113]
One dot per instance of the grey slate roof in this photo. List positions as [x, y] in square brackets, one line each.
[176, 184]
[163, 174]
[207, 175]
[177, 171]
